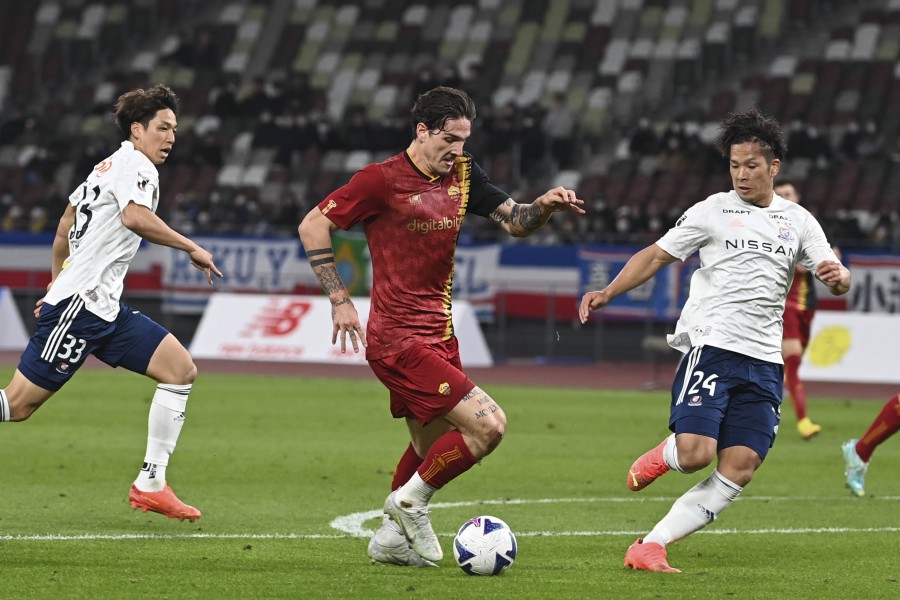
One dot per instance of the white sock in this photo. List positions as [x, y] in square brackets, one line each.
[697, 508]
[415, 491]
[670, 454]
[4, 407]
[163, 427]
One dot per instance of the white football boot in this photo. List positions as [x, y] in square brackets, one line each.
[389, 546]
[416, 526]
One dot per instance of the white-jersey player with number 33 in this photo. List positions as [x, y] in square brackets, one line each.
[82, 314]
[726, 396]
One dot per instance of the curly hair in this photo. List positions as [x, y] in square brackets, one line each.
[140, 106]
[439, 105]
[752, 126]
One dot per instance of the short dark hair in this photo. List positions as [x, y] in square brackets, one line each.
[439, 105]
[142, 105]
[752, 126]
[783, 181]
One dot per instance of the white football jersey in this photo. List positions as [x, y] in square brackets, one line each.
[747, 260]
[100, 246]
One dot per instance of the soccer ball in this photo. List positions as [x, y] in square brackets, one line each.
[484, 546]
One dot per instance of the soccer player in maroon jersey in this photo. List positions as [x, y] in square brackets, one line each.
[412, 206]
[799, 310]
[857, 453]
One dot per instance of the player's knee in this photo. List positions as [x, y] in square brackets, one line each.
[186, 373]
[694, 459]
[493, 434]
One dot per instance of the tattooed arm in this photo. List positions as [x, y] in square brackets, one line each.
[521, 220]
[315, 235]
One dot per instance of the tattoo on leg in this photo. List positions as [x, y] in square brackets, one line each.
[475, 391]
[479, 414]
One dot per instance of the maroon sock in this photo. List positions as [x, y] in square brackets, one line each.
[447, 458]
[884, 426]
[794, 386]
[408, 464]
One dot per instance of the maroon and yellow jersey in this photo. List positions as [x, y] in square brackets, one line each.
[412, 221]
[802, 295]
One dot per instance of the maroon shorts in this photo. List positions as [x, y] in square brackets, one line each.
[797, 324]
[426, 382]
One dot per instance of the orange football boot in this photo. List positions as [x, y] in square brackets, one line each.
[647, 468]
[648, 557]
[164, 502]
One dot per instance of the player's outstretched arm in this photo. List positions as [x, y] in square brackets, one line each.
[835, 276]
[144, 222]
[521, 220]
[639, 268]
[315, 234]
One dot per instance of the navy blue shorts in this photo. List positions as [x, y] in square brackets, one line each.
[727, 396]
[68, 332]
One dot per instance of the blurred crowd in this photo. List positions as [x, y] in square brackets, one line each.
[632, 198]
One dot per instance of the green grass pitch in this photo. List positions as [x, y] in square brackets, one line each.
[275, 463]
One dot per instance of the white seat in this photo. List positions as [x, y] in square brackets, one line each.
[346, 16]
[232, 14]
[865, 41]
[837, 50]
[783, 66]
[229, 175]
[255, 175]
[415, 15]
[568, 179]
[356, 160]
[616, 54]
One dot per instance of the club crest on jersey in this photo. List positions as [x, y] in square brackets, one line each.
[415, 199]
[785, 234]
[695, 401]
[454, 193]
[142, 184]
[444, 389]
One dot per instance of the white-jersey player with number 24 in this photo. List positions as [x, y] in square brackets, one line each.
[726, 396]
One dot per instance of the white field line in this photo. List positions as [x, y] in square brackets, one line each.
[352, 525]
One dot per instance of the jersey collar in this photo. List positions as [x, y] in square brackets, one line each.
[412, 163]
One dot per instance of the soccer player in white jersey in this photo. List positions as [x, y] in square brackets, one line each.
[726, 395]
[81, 314]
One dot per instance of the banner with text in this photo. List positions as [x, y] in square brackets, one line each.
[660, 298]
[853, 347]
[876, 283]
[475, 275]
[298, 328]
[250, 265]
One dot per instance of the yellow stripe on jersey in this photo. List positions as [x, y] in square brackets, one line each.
[463, 168]
[803, 293]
